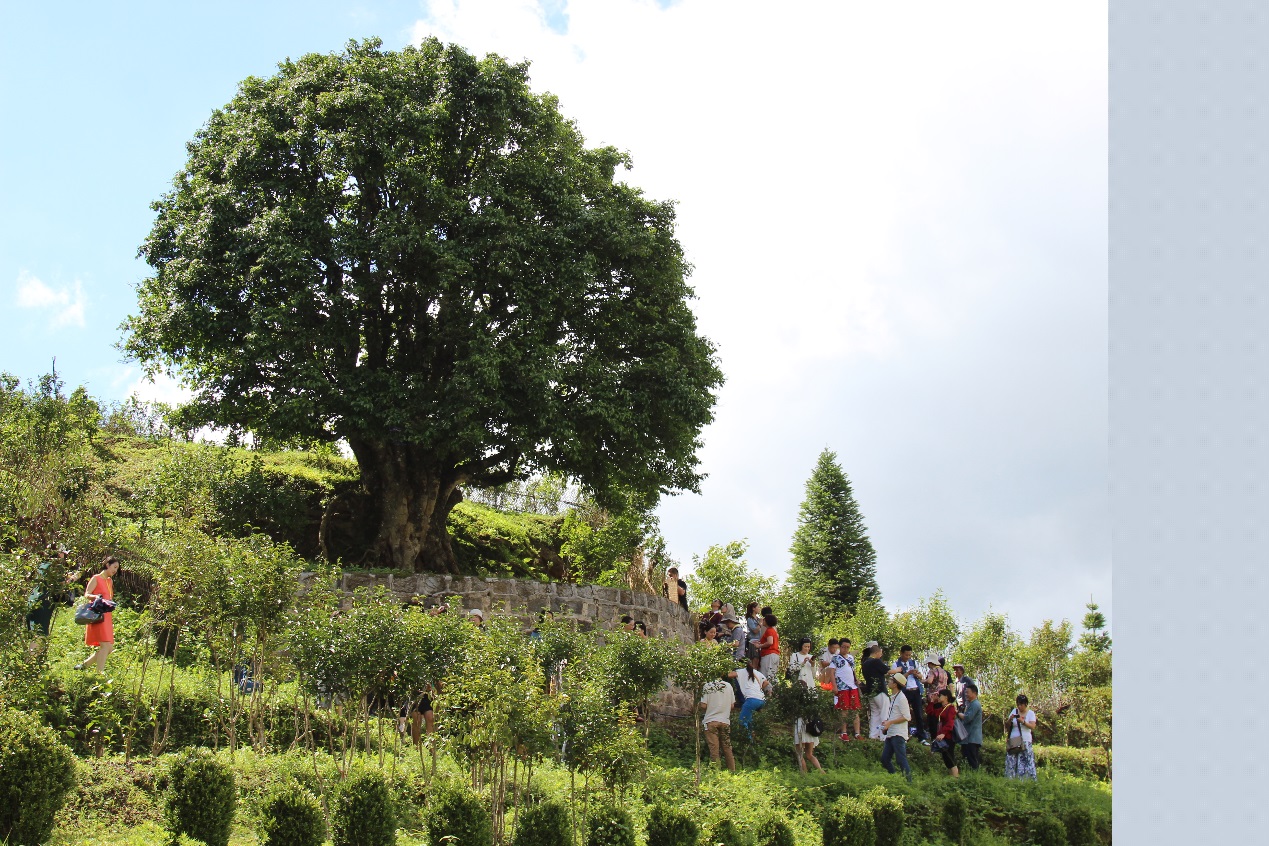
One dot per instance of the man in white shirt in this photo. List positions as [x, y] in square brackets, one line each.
[717, 700]
[895, 726]
[846, 690]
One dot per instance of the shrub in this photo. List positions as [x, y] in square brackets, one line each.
[887, 816]
[364, 814]
[609, 826]
[668, 826]
[955, 810]
[459, 813]
[543, 824]
[1047, 830]
[773, 831]
[36, 773]
[727, 833]
[292, 816]
[1079, 827]
[200, 798]
[849, 823]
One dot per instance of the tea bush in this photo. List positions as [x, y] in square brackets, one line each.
[849, 823]
[1079, 827]
[200, 798]
[955, 809]
[773, 831]
[727, 833]
[457, 812]
[609, 826]
[292, 816]
[668, 826]
[364, 814]
[37, 771]
[543, 824]
[1047, 830]
[887, 816]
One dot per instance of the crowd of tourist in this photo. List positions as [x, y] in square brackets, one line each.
[904, 699]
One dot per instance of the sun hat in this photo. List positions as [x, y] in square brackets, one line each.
[870, 644]
[731, 618]
[958, 664]
[476, 612]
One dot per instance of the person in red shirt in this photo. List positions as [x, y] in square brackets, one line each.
[769, 647]
[946, 730]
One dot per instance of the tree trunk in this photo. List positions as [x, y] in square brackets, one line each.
[412, 496]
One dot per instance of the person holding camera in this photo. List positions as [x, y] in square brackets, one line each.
[1019, 756]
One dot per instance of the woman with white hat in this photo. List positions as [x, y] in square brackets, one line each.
[895, 725]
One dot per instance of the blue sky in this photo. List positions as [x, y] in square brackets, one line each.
[897, 218]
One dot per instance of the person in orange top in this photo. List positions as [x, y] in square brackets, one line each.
[769, 647]
[101, 634]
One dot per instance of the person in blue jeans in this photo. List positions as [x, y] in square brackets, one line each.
[754, 688]
[895, 726]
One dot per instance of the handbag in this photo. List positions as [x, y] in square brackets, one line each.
[85, 614]
[815, 727]
[940, 746]
[1016, 745]
[959, 731]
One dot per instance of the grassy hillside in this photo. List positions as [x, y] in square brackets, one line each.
[287, 493]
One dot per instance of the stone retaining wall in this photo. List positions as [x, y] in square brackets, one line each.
[594, 607]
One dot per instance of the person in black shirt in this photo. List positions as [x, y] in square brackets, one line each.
[672, 577]
[874, 669]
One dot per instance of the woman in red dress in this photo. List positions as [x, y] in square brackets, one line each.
[101, 634]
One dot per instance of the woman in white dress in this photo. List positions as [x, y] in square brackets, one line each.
[1020, 761]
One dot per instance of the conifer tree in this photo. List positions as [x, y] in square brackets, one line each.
[832, 554]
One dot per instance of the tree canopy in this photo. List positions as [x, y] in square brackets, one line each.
[832, 555]
[723, 574]
[414, 252]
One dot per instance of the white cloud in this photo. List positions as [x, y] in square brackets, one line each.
[65, 303]
[897, 219]
[160, 388]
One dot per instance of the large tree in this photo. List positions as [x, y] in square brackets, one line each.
[832, 555]
[414, 252]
